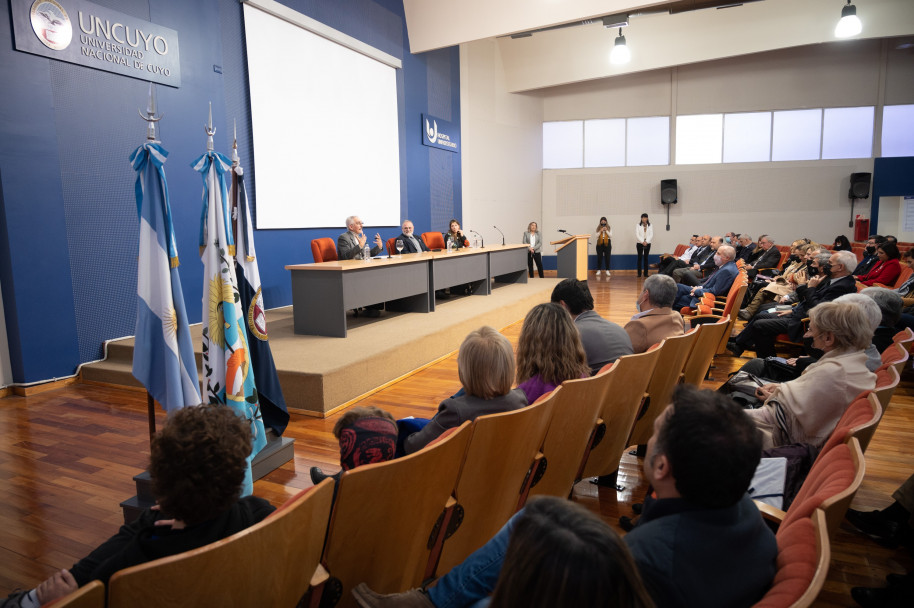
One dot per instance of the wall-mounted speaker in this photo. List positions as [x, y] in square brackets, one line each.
[860, 185]
[669, 192]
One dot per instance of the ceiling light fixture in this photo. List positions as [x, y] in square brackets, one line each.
[849, 25]
[620, 53]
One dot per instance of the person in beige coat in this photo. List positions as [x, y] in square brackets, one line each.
[656, 320]
[807, 409]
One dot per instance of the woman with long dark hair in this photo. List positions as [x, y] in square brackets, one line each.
[644, 234]
[604, 234]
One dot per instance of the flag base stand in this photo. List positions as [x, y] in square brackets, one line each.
[277, 452]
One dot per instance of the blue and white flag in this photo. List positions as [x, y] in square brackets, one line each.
[227, 370]
[163, 356]
[272, 402]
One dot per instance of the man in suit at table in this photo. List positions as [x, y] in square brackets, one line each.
[656, 320]
[350, 244]
[411, 243]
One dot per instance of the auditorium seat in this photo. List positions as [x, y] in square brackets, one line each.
[90, 595]
[706, 344]
[895, 355]
[887, 379]
[433, 240]
[905, 337]
[619, 410]
[859, 420]
[498, 459]
[323, 250]
[269, 564]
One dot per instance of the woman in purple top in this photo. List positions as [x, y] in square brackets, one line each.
[549, 351]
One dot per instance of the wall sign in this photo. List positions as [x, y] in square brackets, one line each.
[438, 133]
[87, 34]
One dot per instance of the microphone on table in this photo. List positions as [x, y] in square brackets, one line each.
[502, 235]
[482, 241]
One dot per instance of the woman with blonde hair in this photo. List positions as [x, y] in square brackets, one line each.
[549, 351]
[485, 365]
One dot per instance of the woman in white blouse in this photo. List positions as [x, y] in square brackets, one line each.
[604, 236]
[644, 234]
[534, 243]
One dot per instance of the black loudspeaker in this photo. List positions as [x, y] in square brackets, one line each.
[860, 185]
[669, 191]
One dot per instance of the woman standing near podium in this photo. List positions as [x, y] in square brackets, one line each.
[604, 236]
[534, 243]
[644, 234]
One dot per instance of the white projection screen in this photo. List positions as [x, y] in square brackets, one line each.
[325, 126]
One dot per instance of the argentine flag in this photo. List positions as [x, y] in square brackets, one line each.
[163, 356]
[228, 373]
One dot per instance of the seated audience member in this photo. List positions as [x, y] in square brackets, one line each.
[411, 242]
[701, 252]
[603, 340]
[366, 434]
[794, 274]
[766, 255]
[656, 320]
[869, 255]
[890, 238]
[889, 527]
[842, 244]
[886, 269]
[485, 365]
[686, 255]
[890, 305]
[549, 351]
[700, 542]
[197, 465]
[760, 333]
[718, 283]
[693, 274]
[746, 247]
[807, 409]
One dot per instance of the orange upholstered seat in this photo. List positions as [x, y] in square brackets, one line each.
[433, 240]
[323, 250]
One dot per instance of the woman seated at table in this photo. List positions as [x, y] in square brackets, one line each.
[549, 351]
[886, 270]
[455, 236]
[807, 409]
[485, 366]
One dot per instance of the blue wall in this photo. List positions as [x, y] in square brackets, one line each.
[68, 227]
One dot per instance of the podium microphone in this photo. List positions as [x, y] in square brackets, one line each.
[563, 231]
[502, 235]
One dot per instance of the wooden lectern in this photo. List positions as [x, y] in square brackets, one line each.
[572, 256]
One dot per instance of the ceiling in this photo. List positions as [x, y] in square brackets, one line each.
[575, 46]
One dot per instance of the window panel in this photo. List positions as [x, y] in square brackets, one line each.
[648, 141]
[747, 137]
[699, 139]
[797, 135]
[563, 145]
[898, 130]
[604, 143]
[848, 132]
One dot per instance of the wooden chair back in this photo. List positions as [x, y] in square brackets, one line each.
[620, 407]
[571, 429]
[800, 573]
[90, 595]
[667, 374]
[324, 250]
[269, 564]
[433, 240]
[706, 344]
[887, 379]
[383, 525]
[896, 355]
[498, 460]
[905, 337]
[859, 420]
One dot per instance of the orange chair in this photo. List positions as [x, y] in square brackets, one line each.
[433, 240]
[392, 246]
[896, 355]
[859, 420]
[324, 250]
[905, 337]
[906, 272]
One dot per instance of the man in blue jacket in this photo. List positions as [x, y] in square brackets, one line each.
[718, 283]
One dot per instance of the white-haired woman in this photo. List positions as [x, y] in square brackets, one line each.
[807, 409]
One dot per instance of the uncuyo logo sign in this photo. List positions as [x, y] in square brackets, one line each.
[51, 24]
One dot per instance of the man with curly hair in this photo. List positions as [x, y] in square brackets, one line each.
[197, 465]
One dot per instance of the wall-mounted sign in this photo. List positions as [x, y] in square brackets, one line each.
[86, 34]
[439, 133]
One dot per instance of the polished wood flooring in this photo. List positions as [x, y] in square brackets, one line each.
[67, 457]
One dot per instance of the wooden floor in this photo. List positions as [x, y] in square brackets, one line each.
[67, 457]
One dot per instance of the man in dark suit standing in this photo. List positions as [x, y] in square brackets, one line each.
[833, 281]
[411, 243]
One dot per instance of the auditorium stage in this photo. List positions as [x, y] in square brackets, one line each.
[320, 374]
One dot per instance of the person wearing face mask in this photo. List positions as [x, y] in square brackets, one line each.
[656, 320]
[604, 236]
[718, 283]
[796, 273]
[886, 270]
[834, 281]
[869, 255]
